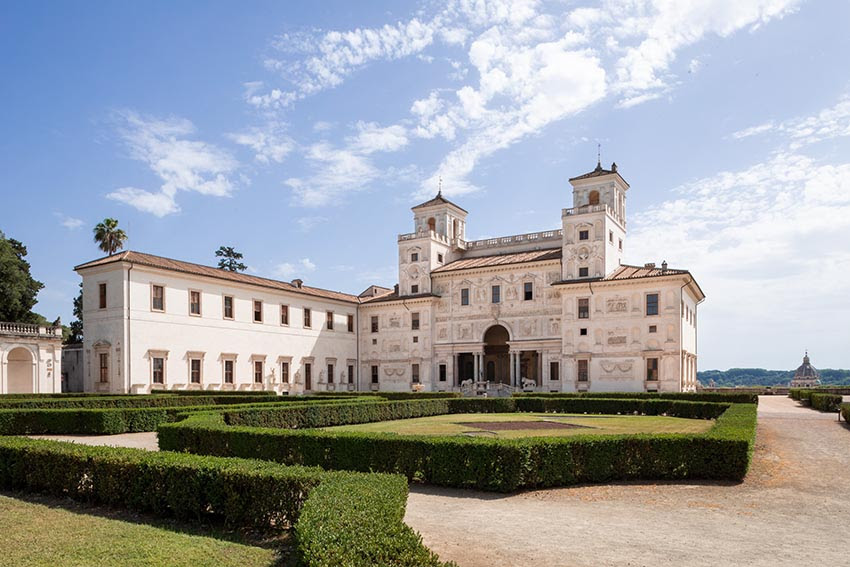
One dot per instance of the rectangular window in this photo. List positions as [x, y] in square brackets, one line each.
[442, 373]
[651, 369]
[104, 366]
[228, 372]
[258, 311]
[284, 372]
[374, 374]
[228, 307]
[194, 303]
[101, 289]
[653, 328]
[351, 323]
[415, 339]
[527, 291]
[583, 272]
[414, 373]
[584, 235]
[284, 314]
[611, 236]
[621, 245]
[652, 304]
[330, 320]
[584, 308]
[158, 364]
[439, 258]
[582, 371]
[157, 298]
[464, 296]
[414, 321]
[351, 374]
[308, 376]
[554, 371]
[414, 257]
[330, 373]
[414, 288]
[496, 292]
[374, 323]
[583, 332]
[308, 318]
[258, 371]
[195, 371]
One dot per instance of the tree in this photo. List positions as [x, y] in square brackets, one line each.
[75, 329]
[18, 289]
[109, 237]
[230, 259]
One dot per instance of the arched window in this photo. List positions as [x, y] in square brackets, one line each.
[593, 198]
[432, 224]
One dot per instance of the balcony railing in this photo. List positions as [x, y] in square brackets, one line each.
[516, 239]
[29, 330]
[585, 209]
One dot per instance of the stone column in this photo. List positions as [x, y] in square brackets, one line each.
[513, 369]
[475, 367]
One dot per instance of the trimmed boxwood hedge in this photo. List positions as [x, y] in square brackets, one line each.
[395, 395]
[724, 452]
[111, 421]
[826, 402]
[715, 397]
[142, 401]
[339, 518]
[845, 412]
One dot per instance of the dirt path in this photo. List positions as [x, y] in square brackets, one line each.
[134, 440]
[790, 510]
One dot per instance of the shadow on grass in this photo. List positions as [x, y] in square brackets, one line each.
[283, 544]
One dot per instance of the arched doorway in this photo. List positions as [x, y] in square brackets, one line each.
[497, 359]
[19, 371]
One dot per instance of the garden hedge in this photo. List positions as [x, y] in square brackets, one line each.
[395, 395]
[845, 412]
[139, 401]
[339, 518]
[715, 397]
[724, 452]
[826, 402]
[111, 421]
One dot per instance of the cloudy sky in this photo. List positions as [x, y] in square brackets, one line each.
[302, 133]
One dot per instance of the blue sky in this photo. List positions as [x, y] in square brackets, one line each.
[302, 133]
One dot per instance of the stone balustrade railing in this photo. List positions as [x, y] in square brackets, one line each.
[585, 209]
[412, 235]
[515, 239]
[29, 330]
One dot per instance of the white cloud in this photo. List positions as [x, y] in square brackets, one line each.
[753, 130]
[829, 123]
[335, 172]
[306, 224]
[270, 144]
[694, 66]
[181, 164]
[322, 126]
[373, 138]
[70, 223]
[287, 270]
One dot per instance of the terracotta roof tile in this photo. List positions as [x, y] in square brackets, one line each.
[392, 296]
[626, 272]
[438, 200]
[501, 260]
[201, 270]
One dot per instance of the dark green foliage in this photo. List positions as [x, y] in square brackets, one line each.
[226, 393]
[845, 412]
[359, 521]
[340, 518]
[715, 397]
[132, 401]
[394, 395]
[673, 408]
[723, 452]
[826, 402]
[761, 377]
[18, 289]
[230, 259]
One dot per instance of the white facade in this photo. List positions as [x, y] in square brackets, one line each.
[30, 359]
[553, 311]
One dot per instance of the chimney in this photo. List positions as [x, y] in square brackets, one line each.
[298, 283]
[614, 167]
[649, 265]
[664, 266]
[395, 289]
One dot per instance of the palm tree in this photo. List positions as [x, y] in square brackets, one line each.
[109, 237]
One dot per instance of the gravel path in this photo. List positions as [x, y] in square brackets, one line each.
[134, 440]
[790, 510]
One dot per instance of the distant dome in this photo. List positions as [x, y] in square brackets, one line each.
[806, 375]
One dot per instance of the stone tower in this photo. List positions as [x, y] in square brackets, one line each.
[595, 227]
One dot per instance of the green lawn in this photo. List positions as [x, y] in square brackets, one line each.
[38, 533]
[476, 424]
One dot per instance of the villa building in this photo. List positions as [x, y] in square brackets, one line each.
[30, 358]
[553, 311]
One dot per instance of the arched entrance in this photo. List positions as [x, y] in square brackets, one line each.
[497, 359]
[19, 376]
